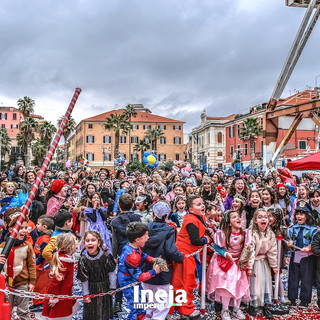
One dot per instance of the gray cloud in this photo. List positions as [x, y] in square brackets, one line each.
[175, 57]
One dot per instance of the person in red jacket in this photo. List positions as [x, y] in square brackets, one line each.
[192, 236]
[61, 280]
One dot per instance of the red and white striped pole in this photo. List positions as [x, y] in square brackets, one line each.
[41, 173]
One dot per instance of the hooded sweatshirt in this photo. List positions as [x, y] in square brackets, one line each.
[162, 242]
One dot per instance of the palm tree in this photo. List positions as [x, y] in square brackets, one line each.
[117, 122]
[39, 150]
[141, 146]
[154, 134]
[130, 112]
[250, 131]
[47, 130]
[27, 129]
[26, 106]
[5, 144]
[69, 128]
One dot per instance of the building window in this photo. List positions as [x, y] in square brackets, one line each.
[134, 156]
[162, 127]
[134, 139]
[90, 139]
[106, 157]
[220, 154]
[231, 132]
[134, 127]
[261, 147]
[232, 151]
[177, 156]
[245, 149]
[123, 139]
[254, 147]
[14, 116]
[176, 127]
[302, 144]
[163, 157]
[219, 137]
[15, 150]
[162, 140]
[90, 125]
[107, 139]
[3, 125]
[239, 129]
[220, 165]
[3, 116]
[177, 140]
[90, 156]
[147, 126]
[14, 126]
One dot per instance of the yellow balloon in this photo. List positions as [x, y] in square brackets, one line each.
[151, 159]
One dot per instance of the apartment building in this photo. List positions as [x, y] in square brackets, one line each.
[96, 144]
[216, 142]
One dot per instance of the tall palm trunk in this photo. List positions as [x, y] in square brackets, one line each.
[116, 144]
[252, 154]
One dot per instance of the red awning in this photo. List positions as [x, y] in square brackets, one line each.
[311, 162]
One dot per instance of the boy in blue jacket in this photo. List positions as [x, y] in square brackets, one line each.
[162, 242]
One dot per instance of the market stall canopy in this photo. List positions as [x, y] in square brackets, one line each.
[311, 162]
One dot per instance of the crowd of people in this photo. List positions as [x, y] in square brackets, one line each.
[131, 227]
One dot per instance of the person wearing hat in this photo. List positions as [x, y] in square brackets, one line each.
[142, 203]
[301, 261]
[57, 196]
[162, 244]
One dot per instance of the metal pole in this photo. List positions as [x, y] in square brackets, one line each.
[41, 173]
[203, 280]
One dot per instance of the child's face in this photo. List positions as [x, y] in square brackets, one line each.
[178, 191]
[140, 190]
[239, 186]
[262, 220]
[255, 199]
[91, 244]
[210, 214]
[68, 224]
[155, 196]
[23, 231]
[282, 191]
[181, 205]
[236, 204]
[91, 189]
[63, 191]
[302, 192]
[141, 206]
[95, 199]
[235, 221]
[140, 242]
[315, 200]
[266, 197]
[271, 218]
[74, 192]
[40, 226]
[10, 189]
[301, 217]
[198, 207]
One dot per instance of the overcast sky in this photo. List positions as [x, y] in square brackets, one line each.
[176, 57]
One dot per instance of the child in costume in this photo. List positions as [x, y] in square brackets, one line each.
[142, 203]
[20, 266]
[225, 278]
[301, 262]
[93, 282]
[129, 265]
[61, 280]
[43, 233]
[260, 264]
[191, 238]
[56, 197]
[96, 214]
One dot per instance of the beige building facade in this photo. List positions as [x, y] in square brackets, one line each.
[92, 141]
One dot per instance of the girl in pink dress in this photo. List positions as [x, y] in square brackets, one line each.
[226, 280]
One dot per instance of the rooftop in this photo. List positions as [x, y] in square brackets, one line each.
[141, 117]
